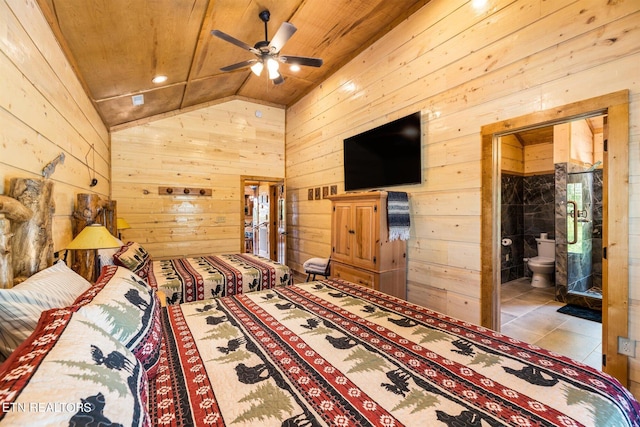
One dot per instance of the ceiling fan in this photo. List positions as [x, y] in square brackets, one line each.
[268, 52]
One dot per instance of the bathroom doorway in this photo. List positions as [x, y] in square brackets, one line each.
[615, 275]
[551, 191]
[551, 237]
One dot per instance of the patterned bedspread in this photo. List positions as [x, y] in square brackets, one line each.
[198, 278]
[334, 353]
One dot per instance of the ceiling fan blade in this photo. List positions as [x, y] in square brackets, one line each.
[284, 33]
[278, 80]
[235, 41]
[239, 65]
[302, 60]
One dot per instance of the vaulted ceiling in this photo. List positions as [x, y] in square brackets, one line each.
[117, 46]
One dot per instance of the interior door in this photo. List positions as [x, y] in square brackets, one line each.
[264, 217]
[280, 223]
[262, 228]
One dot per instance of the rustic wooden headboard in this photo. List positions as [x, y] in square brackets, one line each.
[26, 242]
[26, 233]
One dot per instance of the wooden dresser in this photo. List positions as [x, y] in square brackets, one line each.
[360, 248]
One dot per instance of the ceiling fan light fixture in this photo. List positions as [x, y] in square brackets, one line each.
[268, 52]
[257, 68]
[272, 66]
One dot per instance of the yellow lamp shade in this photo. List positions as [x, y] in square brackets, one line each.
[94, 236]
[122, 224]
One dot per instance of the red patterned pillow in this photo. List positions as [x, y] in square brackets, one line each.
[68, 372]
[135, 258]
[123, 305]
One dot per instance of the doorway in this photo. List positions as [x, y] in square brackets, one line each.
[551, 237]
[263, 217]
[615, 275]
[551, 182]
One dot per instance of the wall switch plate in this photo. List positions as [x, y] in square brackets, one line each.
[626, 347]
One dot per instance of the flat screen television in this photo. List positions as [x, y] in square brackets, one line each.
[385, 156]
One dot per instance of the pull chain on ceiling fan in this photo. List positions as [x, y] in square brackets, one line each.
[268, 52]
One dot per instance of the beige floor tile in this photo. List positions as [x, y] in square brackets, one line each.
[583, 327]
[573, 345]
[518, 306]
[506, 318]
[537, 296]
[530, 314]
[594, 359]
[538, 321]
[523, 334]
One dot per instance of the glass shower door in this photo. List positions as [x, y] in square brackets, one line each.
[579, 232]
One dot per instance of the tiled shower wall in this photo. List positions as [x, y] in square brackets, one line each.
[512, 227]
[528, 209]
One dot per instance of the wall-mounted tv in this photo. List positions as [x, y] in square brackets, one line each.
[385, 156]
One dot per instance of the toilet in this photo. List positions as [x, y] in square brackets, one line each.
[543, 265]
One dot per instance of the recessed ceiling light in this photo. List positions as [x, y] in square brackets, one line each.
[294, 67]
[478, 4]
[159, 79]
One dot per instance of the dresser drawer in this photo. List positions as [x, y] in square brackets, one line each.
[354, 275]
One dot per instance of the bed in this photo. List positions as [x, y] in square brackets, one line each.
[198, 278]
[334, 353]
[202, 277]
[319, 353]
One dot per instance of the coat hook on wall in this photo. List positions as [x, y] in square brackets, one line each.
[189, 191]
[48, 170]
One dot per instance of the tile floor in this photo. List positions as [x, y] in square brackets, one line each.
[529, 314]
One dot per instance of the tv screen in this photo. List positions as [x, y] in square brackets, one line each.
[385, 156]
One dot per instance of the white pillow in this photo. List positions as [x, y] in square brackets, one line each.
[20, 307]
[105, 256]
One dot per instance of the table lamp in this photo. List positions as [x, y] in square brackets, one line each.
[94, 237]
[121, 224]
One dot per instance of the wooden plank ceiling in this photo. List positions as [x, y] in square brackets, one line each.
[118, 46]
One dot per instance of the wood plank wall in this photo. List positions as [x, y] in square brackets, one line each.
[205, 148]
[462, 68]
[44, 111]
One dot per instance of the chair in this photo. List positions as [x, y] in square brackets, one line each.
[314, 266]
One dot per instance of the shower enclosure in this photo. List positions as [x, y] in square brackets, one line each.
[579, 226]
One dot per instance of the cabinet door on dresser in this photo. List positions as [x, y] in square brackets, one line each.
[365, 226]
[355, 232]
[341, 232]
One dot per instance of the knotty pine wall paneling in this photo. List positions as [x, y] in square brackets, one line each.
[463, 68]
[210, 147]
[44, 112]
